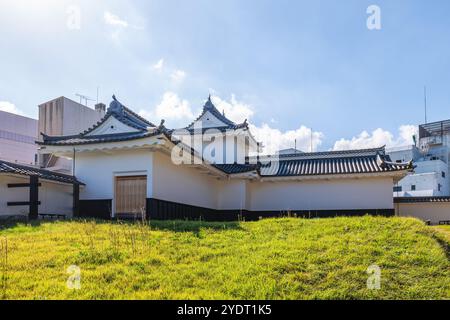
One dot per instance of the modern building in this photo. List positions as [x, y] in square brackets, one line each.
[131, 167]
[425, 194]
[62, 116]
[26, 189]
[17, 138]
[431, 161]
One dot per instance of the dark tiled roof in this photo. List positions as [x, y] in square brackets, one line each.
[124, 115]
[235, 168]
[334, 154]
[14, 168]
[118, 111]
[333, 162]
[420, 199]
[322, 163]
[209, 106]
[82, 139]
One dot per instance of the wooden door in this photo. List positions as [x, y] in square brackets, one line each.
[130, 195]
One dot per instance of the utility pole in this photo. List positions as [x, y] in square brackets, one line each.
[425, 102]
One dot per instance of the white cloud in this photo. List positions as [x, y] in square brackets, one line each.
[177, 112]
[159, 65]
[274, 140]
[178, 75]
[406, 133]
[234, 110]
[10, 107]
[118, 27]
[114, 20]
[378, 138]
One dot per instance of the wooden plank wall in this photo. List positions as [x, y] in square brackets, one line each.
[130, 195]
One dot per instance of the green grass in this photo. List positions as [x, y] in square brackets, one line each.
[269, 259]
[444, 232]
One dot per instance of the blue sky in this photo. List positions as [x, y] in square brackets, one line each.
[286, 65]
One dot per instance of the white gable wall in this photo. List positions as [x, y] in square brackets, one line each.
[216, 147]
[208, 120]
[111, 126]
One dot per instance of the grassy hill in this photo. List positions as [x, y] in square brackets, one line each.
[269, 259]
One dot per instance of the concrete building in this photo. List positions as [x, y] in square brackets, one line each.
[25, 189]
[131, 167]
[431, 160]
[62, 116]
[425, 194]
[17, 138]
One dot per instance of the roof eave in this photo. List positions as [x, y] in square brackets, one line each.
[394, 174]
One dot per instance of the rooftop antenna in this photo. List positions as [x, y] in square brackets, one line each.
[98, 89]
[295, 145]
[311, 140]
[85, 98]
[425, 102]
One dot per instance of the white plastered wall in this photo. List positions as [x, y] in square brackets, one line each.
[432, 211]
[13, 195]
[188, 185]
[232, 194]
[98, 169]
[182, 184]
[338, 194]
[111, 126]
[55, 198]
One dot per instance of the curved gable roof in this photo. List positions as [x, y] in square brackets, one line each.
[117, 111]
[124, 115]
[227, 123]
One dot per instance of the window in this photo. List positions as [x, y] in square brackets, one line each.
[398, 161]
[443, 174]
[398, 189]
[413, 187]
[439, 187]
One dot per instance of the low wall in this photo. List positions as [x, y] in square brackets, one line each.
[55, 198]
[166, 210]
[99, 209]
[426, 211]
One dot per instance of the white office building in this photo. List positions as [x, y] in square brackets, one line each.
[17, 138]
[430, 156]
